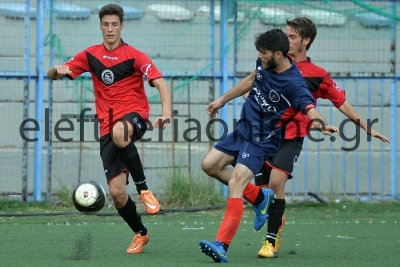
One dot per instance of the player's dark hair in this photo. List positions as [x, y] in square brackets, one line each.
[305, 27]
[112, 9]
[273, 40]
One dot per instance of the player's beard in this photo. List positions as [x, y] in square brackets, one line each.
[271, 64]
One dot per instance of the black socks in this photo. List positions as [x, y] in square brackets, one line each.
[132, 218]
[226, 246]
[131, 158]
[260, 198]
[275, 214]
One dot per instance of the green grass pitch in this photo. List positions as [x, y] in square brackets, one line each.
[340, 234]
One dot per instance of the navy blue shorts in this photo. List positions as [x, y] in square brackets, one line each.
[250, 154]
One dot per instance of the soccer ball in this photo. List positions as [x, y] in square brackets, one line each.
[89, 197]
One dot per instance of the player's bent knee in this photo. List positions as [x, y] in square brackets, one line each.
[207, 166]
[211, 168]
[118, 194]
[121, 134]
[119, 139]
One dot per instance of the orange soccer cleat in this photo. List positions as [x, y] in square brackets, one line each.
[150, 202]
[137, 243]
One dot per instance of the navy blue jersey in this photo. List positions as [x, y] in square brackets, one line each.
[273, 101]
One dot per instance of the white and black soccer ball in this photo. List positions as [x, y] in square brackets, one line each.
[89, 197]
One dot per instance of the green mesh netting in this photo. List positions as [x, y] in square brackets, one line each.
[354, 37]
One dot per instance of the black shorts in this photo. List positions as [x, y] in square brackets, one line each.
[284, 160]
[112, 163]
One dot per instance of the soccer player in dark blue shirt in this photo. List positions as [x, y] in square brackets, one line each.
[301, 32]
[277, 93]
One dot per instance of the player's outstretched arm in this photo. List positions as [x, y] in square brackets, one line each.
[240, 89]
[243, 87]
[58, 72]
[347, 109]
[320, 123]
[165, 94]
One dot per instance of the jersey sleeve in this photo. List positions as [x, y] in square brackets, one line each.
[302, 99]
[330, 90]
[77, 65]
[146, 67]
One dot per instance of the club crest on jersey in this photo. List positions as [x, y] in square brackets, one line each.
[107, 76]
[259, 76]
[274, 96]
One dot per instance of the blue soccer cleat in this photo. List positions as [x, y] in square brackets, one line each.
[215, 250]
[262, 209]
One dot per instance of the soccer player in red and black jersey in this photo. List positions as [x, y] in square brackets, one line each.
[301, 33]
[122, 108]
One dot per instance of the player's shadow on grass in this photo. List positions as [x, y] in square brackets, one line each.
[82, 248]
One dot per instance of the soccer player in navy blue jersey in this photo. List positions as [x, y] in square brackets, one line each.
[277, 93]
[301, 32]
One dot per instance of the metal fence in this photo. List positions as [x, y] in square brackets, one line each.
[201, 54]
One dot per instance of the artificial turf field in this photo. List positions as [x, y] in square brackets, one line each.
[340, 234]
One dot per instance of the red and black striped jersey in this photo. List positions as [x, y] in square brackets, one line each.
[321, 85]
[117, 77]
